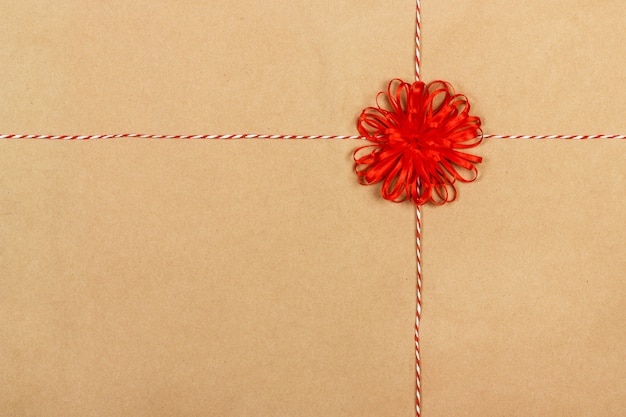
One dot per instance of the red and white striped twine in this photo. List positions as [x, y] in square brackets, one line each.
[575, 137]
[418, 235]
[418, 37]
[256, 136]
[418, 310]
[141, 136]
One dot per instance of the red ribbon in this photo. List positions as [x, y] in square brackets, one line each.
[417, 136]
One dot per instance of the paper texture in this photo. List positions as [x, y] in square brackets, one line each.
[235, 278]
[524, 292]
[167, 278]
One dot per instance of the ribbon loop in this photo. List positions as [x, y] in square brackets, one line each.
[420, 133]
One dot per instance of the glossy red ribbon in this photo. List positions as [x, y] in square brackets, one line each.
[419, 134]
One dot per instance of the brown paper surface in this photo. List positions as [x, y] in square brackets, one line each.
[524, 285]
[255, 277]
[171, 278]
[165, 278]
[524, 292]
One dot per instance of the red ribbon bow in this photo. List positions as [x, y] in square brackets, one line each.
[417, 140]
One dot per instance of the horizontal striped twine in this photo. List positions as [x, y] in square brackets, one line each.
[575, 137]
[141, 136]
[256, 136]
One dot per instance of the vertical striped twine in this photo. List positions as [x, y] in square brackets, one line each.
[418, 36]
[418, 310]
[418, 234]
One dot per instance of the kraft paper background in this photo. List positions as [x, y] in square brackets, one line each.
[255, 277]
